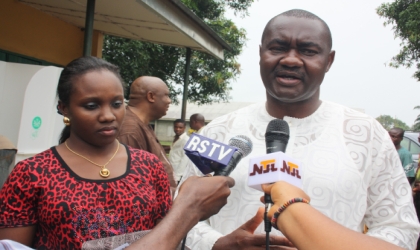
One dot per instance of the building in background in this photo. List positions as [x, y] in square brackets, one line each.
[36, 34]
[164, 126]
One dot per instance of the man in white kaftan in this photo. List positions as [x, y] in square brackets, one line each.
[352, 172]
[177, 156]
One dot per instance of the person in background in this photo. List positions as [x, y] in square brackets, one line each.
[177, 156]
[90, 186]
[304, 226]
[418, 163]
[197, 123]
[397, 135]
[148, 101]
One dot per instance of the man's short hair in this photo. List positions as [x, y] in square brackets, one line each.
[399, 131]
[179, 121]
[301, 14]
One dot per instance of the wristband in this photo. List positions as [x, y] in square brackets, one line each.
[282, 208]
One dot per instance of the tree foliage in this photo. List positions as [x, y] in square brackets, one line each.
[404, 16]
[388, 122]
[416, 126]
[209, 77]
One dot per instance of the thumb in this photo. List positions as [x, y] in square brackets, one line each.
[267, 188]
[254, 222]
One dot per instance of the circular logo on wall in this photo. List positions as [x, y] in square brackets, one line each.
[36, 122]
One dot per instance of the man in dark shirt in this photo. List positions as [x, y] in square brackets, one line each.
[197, 122]
[148, 101]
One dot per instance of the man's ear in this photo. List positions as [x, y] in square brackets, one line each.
[331, 57]
[150, 96]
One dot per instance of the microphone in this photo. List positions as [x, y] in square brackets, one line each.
[244, 146]
[275, 165]
[276, 136]
[212, 156]
[276, 139]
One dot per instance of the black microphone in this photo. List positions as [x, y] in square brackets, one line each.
[276, 136]
[244, 146]
[276, 139]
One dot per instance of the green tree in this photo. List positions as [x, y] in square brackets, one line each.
[404, 16]
[209, 77]
[416, 126]
[388, 122]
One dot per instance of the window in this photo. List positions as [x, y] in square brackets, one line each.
[8, 56]
[414, 148]
[405, 143]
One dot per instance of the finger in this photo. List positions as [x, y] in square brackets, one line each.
[254, 222]
[267, 188]
[230, 181]
[262, 199]
[275, 241]
[280, 241]
[281, 248]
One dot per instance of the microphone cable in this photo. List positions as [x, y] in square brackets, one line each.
[267, 223]
[183, 243]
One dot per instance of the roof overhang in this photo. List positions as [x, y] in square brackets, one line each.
[166, 22]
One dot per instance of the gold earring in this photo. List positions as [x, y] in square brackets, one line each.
[66, 121]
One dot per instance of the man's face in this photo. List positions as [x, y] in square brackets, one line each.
[179, 128]
[162, 100]
[396, 137]
[294, 57]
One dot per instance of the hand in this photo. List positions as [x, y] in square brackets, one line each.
[416, 187]
[205, 195]
[244, 238]
[280, 193]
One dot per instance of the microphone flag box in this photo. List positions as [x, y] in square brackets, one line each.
[274, 167]
[208, 155]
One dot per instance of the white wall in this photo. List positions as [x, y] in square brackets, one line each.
[28, 102]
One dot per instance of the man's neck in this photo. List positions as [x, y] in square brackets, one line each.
[398, 146]
[141, 115]
[297, 110]
[176, 137]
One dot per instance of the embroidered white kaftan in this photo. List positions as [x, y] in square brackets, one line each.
[352, 174]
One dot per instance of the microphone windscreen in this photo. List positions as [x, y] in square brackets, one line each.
[277, 129]
[243, 143]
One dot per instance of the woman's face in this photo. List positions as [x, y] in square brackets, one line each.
[96, 107]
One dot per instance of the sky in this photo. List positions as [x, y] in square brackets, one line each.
[360, 76]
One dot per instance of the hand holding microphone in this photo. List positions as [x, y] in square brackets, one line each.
[281, 192]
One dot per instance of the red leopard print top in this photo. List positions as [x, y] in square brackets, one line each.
[69, 210]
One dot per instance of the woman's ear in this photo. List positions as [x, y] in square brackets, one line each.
[62, 108]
